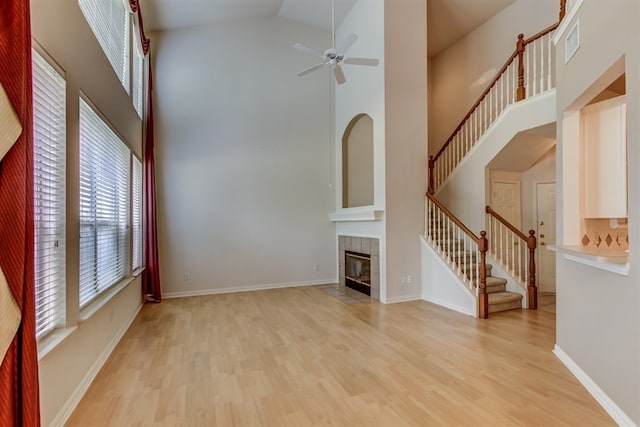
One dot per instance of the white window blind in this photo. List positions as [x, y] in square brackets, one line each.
[104, 205]
[109, 21]
[136, 213]
[138, 76]
[49, 132]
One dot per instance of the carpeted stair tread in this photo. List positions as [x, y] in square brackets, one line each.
[496, 284]
[503, 301]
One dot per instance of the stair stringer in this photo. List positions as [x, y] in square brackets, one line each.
[441, 286]
[465, 190]
[512, 284]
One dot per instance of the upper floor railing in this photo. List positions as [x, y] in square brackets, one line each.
[528, 71]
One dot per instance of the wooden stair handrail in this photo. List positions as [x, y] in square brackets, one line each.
[477, 104]
[521, 44]
[483, 248]
[506, 223]
[532, 244]
[453, 218]
[541, 33]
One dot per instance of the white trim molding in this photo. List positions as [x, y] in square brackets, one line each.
[408, 298]
[367, 213]
[564, 25]
[70, 405]
[603, 399]
[451, 306]
[250, 288]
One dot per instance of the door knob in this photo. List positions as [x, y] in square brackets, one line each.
[542, 236]
[542, 243]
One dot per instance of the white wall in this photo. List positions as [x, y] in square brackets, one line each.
[243, 158]
[358, 165]
[364, 90]
[598, 325]
[441, 286]
[363, 93]
[464, 193]
[543, 171]
[406, 142]
[461, 73]
[60, 28]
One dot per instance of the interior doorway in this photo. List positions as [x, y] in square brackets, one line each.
[546, 235]
[505, 199]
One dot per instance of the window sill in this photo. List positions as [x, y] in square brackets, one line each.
[613, 261]
[51, 341]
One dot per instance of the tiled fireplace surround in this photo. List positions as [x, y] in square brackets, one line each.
[363, 245]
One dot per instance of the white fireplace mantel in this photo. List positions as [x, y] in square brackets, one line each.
[365, 213]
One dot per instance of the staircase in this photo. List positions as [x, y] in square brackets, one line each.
[529, 71]
[450, 241]
[499, 298]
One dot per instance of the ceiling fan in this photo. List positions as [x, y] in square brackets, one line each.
[334, 56]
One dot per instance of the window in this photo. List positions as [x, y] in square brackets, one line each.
[49, 137]
[138, 76]
[104, 205]
[109, 21]
[136, 213]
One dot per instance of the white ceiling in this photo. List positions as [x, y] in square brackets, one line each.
[525, 149]
[447, 20]
[450, 20]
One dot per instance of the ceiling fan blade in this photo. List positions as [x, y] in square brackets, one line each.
[346, 43]
[371, 62]
[337, 71]
[306, 49]
[310, 69]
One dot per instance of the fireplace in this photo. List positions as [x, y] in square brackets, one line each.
[357, 274]
[365, 258]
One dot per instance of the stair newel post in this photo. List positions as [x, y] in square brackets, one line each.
[483, 297]
[563, 9]
[532, 287]
[432, 163]
[521, 92]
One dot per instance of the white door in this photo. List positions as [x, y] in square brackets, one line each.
[546, 228]
[505, 199]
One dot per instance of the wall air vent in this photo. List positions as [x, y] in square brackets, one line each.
[572, 42]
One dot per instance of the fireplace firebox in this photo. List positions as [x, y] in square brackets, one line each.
[358, 271]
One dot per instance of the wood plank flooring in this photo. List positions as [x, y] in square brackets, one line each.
[299, 356]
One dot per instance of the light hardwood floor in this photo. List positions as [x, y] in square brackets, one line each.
[297, 357]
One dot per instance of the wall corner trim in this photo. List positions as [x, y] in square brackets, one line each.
[70, 405]
[248, 288]
[399, 299]
[601, 397]
[564, 25]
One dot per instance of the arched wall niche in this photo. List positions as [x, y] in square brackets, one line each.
[357, 162]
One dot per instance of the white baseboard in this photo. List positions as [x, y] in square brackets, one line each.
[229, 290]
[605, 401]
[70, 405]
[454, 307]
[395, 300]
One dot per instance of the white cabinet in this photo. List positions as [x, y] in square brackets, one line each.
[605, 159]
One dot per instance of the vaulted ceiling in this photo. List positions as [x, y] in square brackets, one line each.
[447, 20]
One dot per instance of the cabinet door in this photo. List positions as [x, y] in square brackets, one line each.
[605, 159]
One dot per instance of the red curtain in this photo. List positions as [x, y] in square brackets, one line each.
[19, 404]
[151, 275]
